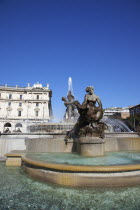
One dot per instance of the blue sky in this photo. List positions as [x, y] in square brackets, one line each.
[96, 42]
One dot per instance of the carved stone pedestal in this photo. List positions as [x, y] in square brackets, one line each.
[91, 146]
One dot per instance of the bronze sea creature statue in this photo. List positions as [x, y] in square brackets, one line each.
[91, 112]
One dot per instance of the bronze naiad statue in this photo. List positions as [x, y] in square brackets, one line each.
[88, 123]
[71, 112]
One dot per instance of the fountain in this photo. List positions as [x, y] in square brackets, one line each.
[87, 157]
[70, 117]
[116, 125]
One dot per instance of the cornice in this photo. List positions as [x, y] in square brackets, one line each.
[24, 101]
[36, 90]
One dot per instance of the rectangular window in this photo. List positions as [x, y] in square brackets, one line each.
[37, 104]
[36, 113]
[9, 103]
[20, 96]
[10, 96]
[37, 97]
[20, 104]
[19, 113]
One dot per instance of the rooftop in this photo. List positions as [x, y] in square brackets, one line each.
[36, 87]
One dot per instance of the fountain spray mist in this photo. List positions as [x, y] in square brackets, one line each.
[70, 89]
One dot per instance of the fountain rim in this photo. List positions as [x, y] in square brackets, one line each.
[80, 168]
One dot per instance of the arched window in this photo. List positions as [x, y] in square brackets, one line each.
[19, 125]
[19, 113]
[7, 125]
[36, 113]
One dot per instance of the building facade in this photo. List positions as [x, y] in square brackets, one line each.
[21, 107]
[134, 110]
[124, 112]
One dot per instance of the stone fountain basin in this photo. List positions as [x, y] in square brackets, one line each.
[121, 173]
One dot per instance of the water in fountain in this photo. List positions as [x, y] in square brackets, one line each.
[110, 158]
[21, 192]
[116, 125]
